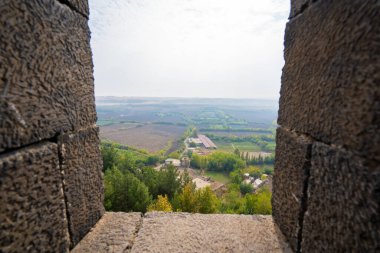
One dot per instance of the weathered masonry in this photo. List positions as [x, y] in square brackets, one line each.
[327, 173]
[51, 189]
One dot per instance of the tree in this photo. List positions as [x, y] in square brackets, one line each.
[152, 160]
[207, 201]
[186, 201]
[124, 192]
[246, 188]
[161, 204]
[198, 161]
[263, 204]
[150, 178]
[237, 152]
[168, 181]
[196, 201]
[236, 176]
[249, 204]
[231, 201]
[109, 154]
[220, 161]
[127, 162]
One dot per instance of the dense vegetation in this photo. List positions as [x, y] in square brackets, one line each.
[132, 184]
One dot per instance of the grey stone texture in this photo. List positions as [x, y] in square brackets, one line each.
[114, 232]
[343, 203]
[330, 95]
[32, 207]
[47, 94]
[80, 6]
[83, 180]
[185, 232]
[298, 6]
[292, 166]
[46, 83]
[330, 81]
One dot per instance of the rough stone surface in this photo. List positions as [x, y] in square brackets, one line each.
[80, 6]
[343, 204]
[83, 180]
[32, 207]
[297, 7]
[290, 173]
[46, 81]
[330, 81]
[114, 232]
[184, 232]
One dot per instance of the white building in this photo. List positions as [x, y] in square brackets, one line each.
[200, 183]
[175, 162]
[257, 183]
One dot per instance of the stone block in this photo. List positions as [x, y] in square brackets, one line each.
[330, 81]
[343, 203]
[290, 174]
[185, 232]
[32, 207]
[46, 83]
[114, 232]
[83, 180]
[297, 7]
[80, 6]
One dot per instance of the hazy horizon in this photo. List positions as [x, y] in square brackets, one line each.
[188, 48]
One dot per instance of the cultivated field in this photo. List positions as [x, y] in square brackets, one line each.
[242, 146]
[151, 137]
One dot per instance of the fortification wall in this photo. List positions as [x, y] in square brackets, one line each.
[327, 175]
[51, 190]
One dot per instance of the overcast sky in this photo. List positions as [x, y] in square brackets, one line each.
[188, 48]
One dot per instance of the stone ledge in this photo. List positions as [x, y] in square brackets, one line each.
[183, 232]
[114, 232]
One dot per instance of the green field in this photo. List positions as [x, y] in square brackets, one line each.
[218, 176]
[242, 146]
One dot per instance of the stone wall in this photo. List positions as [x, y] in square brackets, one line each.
[51, 190]
[327, 176]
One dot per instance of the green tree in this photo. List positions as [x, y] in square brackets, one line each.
[150, 177]
[249, 204]
[207, 201]
[237, 152]
[198, 161]
[109, 154]
[263, 204]
[246, 188]
[236, 176]
[152, 160]
[186, 201]
[124, 192]
[168, 181]
[231, 201]
[127, 162]
[221, 161]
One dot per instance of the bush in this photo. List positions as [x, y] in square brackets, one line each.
[161, 204]
[246, 188]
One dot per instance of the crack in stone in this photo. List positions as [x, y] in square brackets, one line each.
[60, 159]
[72, 7]
[128, 249]
[304, 198]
